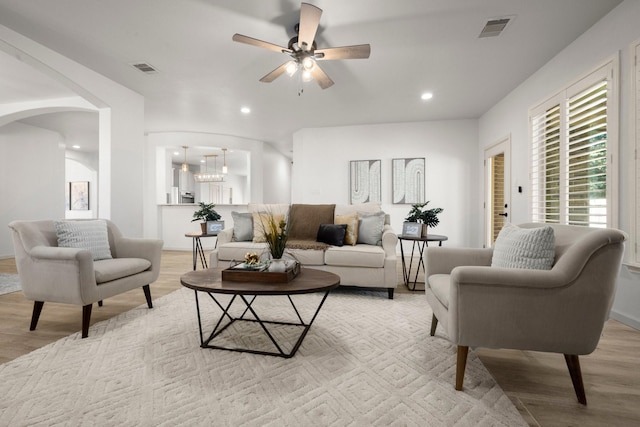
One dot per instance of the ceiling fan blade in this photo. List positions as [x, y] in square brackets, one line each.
[321, 77]
[360, 51]
[275, 73]
[259, 43]
[309, 21]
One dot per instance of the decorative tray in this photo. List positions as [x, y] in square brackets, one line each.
[258, 273]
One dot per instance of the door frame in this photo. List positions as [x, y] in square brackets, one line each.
[502, 146]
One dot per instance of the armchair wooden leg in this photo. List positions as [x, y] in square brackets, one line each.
[86, 319]
[147, 295]
[573, 363]
[100, 303]
[37, 309]
[434, 324]
[461, 364]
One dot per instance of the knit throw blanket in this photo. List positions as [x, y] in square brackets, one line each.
[307, 244]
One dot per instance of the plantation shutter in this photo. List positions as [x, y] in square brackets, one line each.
[573, 151]
[545, 157]
[586, 188]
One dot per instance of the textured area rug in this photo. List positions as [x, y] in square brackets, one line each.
[9, 283]
[366, 361]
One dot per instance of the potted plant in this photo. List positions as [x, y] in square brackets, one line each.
[276, 234]
[420, 215]
[207, 214]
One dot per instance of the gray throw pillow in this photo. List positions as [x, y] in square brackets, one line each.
[370, 228]
[242, 226]
[532, 248]
[90, 235]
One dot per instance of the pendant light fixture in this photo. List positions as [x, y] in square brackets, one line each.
[206, 176]
[224, 164]
[185, 165]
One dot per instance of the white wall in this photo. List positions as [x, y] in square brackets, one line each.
[321, 168]
[31, 159]
[121, 128]
[276, 178]
[610, 36]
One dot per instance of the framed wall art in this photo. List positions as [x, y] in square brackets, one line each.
[79, 195]
[408, 180]
[364, 181]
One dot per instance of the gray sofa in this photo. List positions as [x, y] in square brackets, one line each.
[362, 264]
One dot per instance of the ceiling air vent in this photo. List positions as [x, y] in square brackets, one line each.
[145, 68]
[494, 27]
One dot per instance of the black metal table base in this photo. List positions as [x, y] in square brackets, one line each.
[221, 326]
[198, 252]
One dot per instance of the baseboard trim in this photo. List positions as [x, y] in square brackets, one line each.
[622, 318]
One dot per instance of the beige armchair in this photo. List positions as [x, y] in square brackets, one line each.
[562, 310]
[70, 275]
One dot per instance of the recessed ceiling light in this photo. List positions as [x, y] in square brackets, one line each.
[245, 110]
[75, 146]
[176, 153]
[426, 95]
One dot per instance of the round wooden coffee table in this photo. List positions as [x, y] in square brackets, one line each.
[210, 281]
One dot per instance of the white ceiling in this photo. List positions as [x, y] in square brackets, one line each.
[205, 78]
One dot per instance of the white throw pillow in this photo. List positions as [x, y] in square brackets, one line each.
[90, 235]
[532, 248]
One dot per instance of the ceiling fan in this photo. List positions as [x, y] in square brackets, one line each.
[304, 52]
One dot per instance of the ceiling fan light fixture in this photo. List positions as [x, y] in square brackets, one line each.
[292, 67]
[308, 63]
[307, 76]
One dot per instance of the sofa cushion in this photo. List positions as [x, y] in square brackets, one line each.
[307, 257]
[90, 235]
[332, 234]
[242, 226]
[440, 284]
[351, 236]
[305, 220]
[107, 270]
[355, 256]
[237, 250]
[371, 226]
[531, 248]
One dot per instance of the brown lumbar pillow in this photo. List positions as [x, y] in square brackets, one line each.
[305, 220]
[351, 237]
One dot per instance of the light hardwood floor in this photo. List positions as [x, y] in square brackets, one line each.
[537, 383]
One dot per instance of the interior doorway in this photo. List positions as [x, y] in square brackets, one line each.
[497, 197]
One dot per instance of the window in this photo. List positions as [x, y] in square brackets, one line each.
[573, 153]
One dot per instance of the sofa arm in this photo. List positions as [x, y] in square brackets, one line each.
[440, 260]
[225, 236]
[389, 241]
[56, 274]
[128, 247]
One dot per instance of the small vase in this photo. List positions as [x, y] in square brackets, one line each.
[424, 230]
[203, 227]
[277, 265]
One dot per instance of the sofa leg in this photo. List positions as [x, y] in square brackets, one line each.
[461, 364]
[434, 324]
[147, 295]
[86, 319]
[573, 363]
[37, 309]
[390, 291]
[100, 303]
